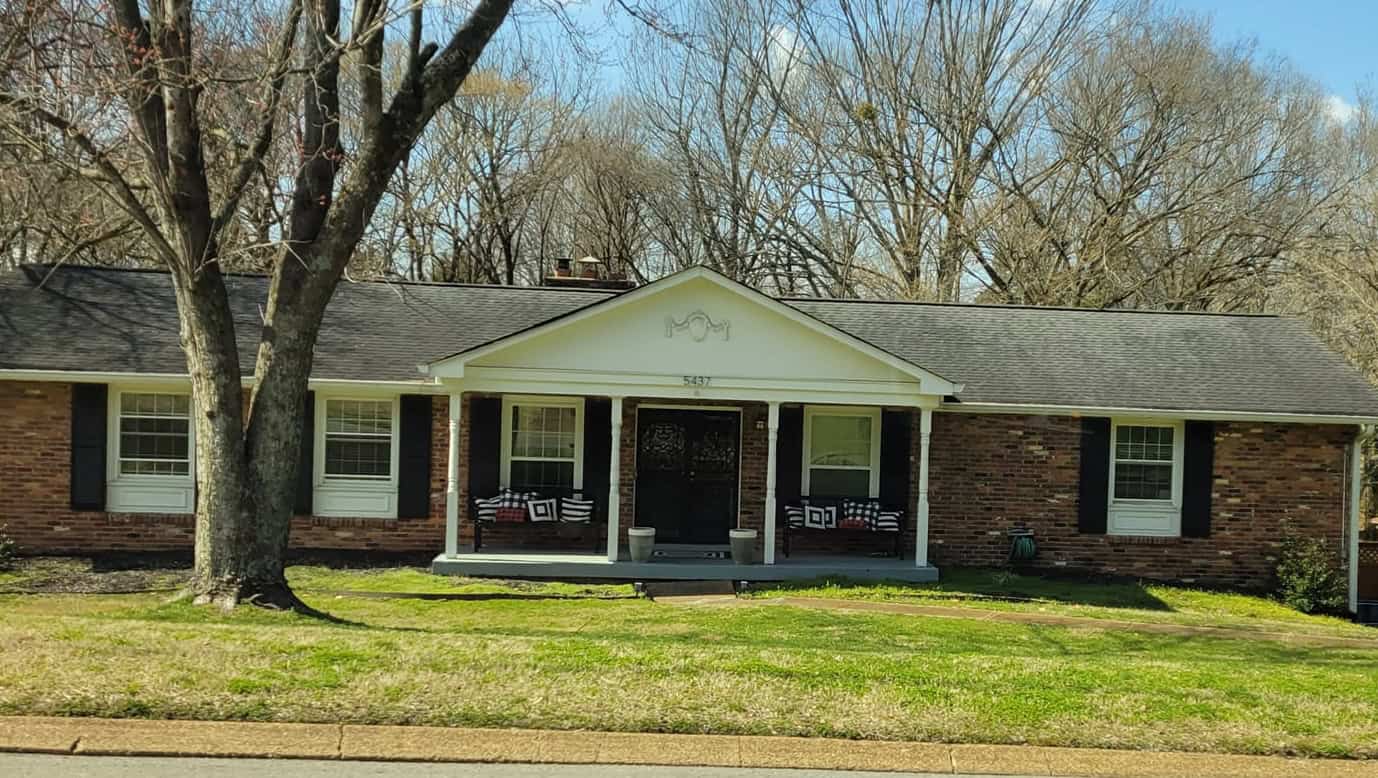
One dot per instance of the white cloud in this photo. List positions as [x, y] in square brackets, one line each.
[1339, 110]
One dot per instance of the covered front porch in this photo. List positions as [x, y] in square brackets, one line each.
[581, 566]
[693, 406]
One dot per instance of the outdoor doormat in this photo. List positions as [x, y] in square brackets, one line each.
[691, 554]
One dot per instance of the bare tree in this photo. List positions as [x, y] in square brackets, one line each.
[156, 134]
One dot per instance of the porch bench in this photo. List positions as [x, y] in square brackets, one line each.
[595, 520]
[793, 528]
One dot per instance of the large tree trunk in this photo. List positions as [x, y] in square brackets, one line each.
[248, 453]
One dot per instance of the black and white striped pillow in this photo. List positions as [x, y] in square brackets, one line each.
[888, 521]
[576, 510]
[794, 516]
[488, 508]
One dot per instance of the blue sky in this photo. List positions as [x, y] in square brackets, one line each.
[1330, 40]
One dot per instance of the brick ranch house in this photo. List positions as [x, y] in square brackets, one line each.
[1172, 446]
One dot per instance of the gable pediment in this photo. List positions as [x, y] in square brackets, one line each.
[696, 325]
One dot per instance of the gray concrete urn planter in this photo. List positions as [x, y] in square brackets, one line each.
[743, 545]
[641, 541]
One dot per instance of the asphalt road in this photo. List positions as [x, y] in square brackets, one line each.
[44, 766]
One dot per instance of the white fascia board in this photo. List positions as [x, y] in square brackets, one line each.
[420, 386]
[452, 366]
[1155, 413]
[673, 391]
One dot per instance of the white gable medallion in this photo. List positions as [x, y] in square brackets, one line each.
[698, 325]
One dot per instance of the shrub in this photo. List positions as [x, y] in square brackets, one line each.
[1308, 579]
[8, 550]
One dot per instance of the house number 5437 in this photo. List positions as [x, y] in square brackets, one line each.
[697, 380]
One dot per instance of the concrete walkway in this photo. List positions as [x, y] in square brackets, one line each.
[118, 737]
[1047, 619]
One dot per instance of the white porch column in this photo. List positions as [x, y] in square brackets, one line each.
[452, 478]
[615, 479]
[773, 430]
[921, 512]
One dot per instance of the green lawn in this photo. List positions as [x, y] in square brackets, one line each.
[533, 655]
[1118, 600]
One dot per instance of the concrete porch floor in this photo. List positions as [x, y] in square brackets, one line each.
[596, 566]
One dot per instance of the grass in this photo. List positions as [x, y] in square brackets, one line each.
[1117, 600]
[633, 665]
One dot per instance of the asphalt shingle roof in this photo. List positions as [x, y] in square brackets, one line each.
[102, 320]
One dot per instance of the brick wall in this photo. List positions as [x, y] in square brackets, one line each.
[35, 466]
[990, 473]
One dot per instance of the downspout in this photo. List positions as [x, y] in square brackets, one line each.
[1356, 455]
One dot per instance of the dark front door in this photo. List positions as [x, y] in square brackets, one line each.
[686, 473]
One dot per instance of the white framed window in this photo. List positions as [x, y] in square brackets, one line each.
[360, 439]
[1145, 477]
[356, 456]
[841, 451]
[151, 450]
[154, 434]
[542, 443]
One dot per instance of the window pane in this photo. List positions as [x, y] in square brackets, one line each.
[358, 456]
[150, 404]
[154, 467]
[540, 476]
[1144, 443]
[155, 434]
[839, 483]
[1143, 481]
[545, 432]
[358, 417]
[840, 441]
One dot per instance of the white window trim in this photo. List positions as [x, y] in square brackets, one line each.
[340, 496]
[510, 401]
[871, 412]
[1168, 509]
[320, 424]
[146, 492]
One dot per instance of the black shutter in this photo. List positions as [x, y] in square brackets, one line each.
[789, 456]
[485, 445]
[88, 447]
[597, 448]
[895, 435]
[1197, 476]
[414, 458]
[1092, 505]
[306, 462]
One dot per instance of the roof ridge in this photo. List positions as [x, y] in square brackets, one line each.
[1026, 306]
[380, 281]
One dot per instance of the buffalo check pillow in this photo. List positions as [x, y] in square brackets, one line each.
[859, 514]
[542, 510]
[576, 510]
[512, 506]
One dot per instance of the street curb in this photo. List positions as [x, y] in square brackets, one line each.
[134, 737]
